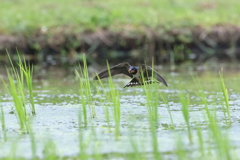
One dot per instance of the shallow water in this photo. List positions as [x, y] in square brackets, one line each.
[58, 105]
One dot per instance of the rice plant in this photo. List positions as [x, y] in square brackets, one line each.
[17, 77]
[85, 91]
[164, 99]
[219, 138]
[152, 98]
[152, 104]
[83, 97]
[2, 120]
[185, 111]
[82, 144]
[23, 74]
[49, 150]
[226, 109]
[28, 73]
[114, 97]
[17, 92]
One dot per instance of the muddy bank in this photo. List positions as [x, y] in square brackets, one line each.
[65, 45]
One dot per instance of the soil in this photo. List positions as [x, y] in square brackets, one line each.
[64, 45]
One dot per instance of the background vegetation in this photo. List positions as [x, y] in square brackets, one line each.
[27, 15]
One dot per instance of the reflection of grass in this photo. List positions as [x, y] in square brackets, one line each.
[90, 14]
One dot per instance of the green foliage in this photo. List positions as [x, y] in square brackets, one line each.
[85, 91]
[17, 77]
[114, 97]
[2, 120]
[93, 14]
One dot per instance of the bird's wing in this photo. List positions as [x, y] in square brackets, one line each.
[121, 68]
[147, 73]
[133, 82]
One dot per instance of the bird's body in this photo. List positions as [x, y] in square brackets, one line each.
[139, 75]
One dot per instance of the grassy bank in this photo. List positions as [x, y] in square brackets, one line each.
[27, 15]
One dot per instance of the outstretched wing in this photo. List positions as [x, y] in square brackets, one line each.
[132, 83]
[121, 68]
[147, 73]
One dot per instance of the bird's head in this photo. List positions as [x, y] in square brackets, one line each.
[132, 70]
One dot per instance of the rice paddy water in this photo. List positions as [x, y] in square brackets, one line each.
[196, 117]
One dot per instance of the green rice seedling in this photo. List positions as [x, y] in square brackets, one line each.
[33, 141]
[49, 150]
[85, 90]
[83, 98]
[164, 99]
[114, 97]
[221, 140]
[200, 138]
[17, 92]
[152, 97]
[88, 87]
[133, 141]
[180, 151]
[14, 146]
[185, 111]
[18, 75]
[82, 146]
[2, 119]
[225, 95]
[27, 70]
[106, 108]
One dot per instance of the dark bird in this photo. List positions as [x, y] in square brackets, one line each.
[135, 73]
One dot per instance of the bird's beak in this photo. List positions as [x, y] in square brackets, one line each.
[130, 70]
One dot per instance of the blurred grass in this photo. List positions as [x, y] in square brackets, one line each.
[27, 15]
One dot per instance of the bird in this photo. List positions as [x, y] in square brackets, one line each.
[136, 73]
